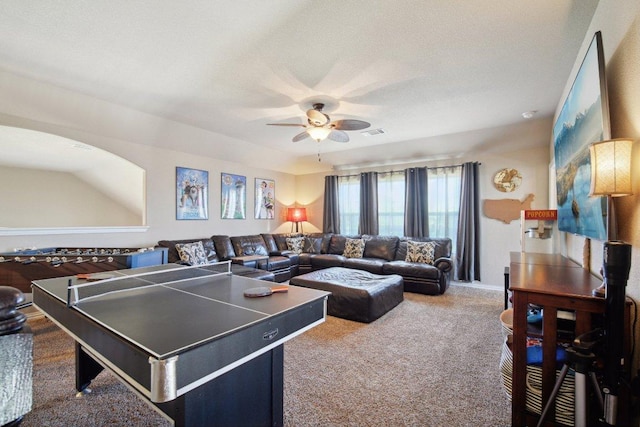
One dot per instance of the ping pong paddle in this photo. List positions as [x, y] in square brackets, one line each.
[265, 291]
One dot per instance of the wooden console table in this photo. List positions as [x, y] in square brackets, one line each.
[555, 283]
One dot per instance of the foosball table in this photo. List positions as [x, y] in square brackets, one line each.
[18, 269]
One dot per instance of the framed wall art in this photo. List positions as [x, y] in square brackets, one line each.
[233, 196]
[192, 190]
[583, 119]
[265, 198]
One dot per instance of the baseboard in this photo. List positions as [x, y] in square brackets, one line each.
[478, 285]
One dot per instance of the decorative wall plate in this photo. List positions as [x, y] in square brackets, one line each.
[507, 180]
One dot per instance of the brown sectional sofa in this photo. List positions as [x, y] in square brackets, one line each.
[212, 256]
[382, 255]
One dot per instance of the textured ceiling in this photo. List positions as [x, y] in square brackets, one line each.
[428, 72]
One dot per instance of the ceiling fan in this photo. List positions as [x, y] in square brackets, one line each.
[321, 127]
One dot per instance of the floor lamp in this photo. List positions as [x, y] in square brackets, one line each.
[296, 215]
[611, 177]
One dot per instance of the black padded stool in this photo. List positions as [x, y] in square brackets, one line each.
[16, 358]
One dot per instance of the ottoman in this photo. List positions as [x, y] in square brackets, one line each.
[355, 294]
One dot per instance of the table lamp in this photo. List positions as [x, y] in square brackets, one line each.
[610, 177]
[296, 215]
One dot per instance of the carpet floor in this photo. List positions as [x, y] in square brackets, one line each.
[431, 361]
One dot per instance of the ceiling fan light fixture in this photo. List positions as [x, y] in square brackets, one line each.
[318, 133]
[321, 127]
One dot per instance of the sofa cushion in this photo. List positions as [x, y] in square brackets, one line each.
[326, 239]
[280, 239]
[249, 245]
[172, 253]
[353, 248]
[383, 247]
[312, 245]
[420, 252]
[305, 258]
[192, 253]
[372, 265]
[337, 242]
[327, 260]
[442, 250]
[270, 241]
[224, 248]
[295, 244]
[412, 269]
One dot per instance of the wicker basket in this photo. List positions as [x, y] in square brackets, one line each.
[564, 399]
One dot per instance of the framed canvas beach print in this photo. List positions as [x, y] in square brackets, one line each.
[192, 189]
[265, 198]
[233, 196]
[583, 119]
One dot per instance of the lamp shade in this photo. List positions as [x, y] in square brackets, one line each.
[319, 133]
[296, 214]
[611, 168]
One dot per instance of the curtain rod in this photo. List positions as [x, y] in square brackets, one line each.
[415, 167]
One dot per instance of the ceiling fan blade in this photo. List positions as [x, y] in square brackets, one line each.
[286, 124]
[350, 124]
[300, 136]
[317, 118]
[338, 136]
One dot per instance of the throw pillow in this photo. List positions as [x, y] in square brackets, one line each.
[353, 248]
[420, 252]
[192, 253]
[312, 245]
[295, 244]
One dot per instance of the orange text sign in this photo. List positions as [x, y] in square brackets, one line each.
[542, 214]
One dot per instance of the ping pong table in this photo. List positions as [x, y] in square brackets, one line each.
[185, 339]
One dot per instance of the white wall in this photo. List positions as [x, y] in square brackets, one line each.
[161, 212]
[498, 239]
[57, 199]
[619, 22]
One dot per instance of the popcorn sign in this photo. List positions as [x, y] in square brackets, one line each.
[542, 214]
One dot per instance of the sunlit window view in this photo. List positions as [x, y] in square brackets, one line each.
[349, 203]
[443, 205]
[391, 203]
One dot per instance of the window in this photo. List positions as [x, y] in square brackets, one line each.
[444, 185]
[391, 203]
[444, 201]
[349, 203]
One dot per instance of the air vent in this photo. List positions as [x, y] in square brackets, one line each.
[372, 132]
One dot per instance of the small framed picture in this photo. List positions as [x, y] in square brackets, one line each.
[192, 190]
[233, 196]
[265, 200]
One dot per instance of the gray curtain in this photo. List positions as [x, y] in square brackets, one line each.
[331, 214]
[368, 203]
[468, 246]
[416, 213]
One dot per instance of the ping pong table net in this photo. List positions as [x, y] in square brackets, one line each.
[80, 292]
